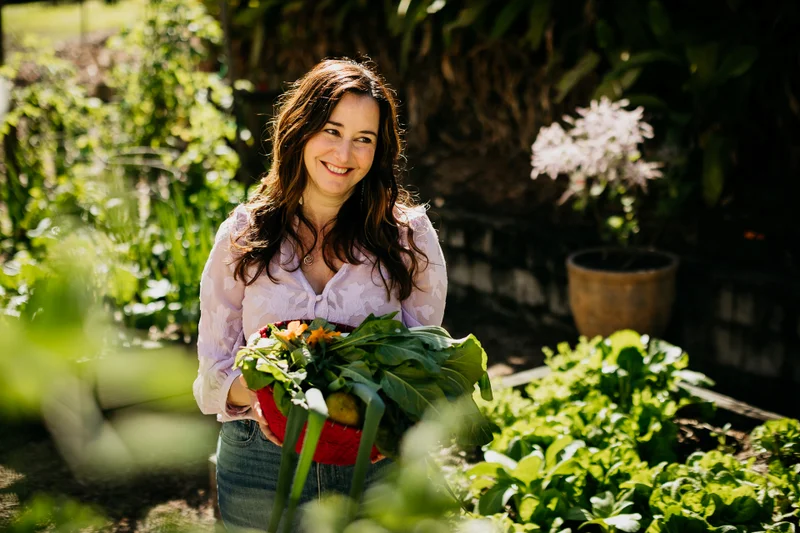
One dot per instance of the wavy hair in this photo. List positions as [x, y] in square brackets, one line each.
[370, 226]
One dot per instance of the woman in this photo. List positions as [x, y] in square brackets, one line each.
[330, 234]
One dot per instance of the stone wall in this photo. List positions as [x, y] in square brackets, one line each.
[510, 261]
[741, 326]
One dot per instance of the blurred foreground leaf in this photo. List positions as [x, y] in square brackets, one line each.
[412, 495]
[57, 515]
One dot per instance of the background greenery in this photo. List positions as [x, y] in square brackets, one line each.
[475, 80]
[53, 23]
[478, 78]
[151, 169]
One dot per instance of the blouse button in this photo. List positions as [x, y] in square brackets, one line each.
[319, 297]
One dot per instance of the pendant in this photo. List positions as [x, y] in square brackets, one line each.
[308, 259]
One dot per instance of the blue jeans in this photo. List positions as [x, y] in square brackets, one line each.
[247, 477]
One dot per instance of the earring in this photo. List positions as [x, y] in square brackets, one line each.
[363, 186]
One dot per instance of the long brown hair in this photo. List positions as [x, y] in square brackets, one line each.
[369, 225]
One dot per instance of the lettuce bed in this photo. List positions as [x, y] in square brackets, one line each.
[605, 443]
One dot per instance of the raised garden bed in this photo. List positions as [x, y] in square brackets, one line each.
[730, 426]
[618, 434]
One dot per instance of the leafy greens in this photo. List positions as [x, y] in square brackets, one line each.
[413, 369]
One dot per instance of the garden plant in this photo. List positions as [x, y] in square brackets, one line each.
[598, 443]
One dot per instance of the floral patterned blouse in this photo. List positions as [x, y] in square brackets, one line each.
[231, 312]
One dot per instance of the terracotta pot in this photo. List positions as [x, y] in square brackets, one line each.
[613, 288]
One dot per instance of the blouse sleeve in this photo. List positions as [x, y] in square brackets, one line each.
[425, 305]
[220, 331]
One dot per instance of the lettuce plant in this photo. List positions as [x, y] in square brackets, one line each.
[593, 445]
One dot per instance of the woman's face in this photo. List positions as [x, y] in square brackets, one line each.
[341, 154]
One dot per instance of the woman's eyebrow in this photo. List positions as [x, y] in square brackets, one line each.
[362, 131]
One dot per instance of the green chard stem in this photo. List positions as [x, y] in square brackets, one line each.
[317, 415]
[372, 418]
[294, 424]
[486, 387]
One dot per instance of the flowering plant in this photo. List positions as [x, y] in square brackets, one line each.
[600, 155]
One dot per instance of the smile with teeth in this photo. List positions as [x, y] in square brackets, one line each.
[335, 169]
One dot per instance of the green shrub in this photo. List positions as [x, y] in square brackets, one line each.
[152, 169]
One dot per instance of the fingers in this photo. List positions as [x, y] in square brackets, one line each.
[256, 408]
[262, 422]
[269, 435]
[379, 457]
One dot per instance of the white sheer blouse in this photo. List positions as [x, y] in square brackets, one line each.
[230, 311]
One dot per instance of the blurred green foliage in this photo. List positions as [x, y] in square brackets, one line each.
[412, 496]
[56, 21]
[108, 209]
[59, 515]
[151, 169]
[116, 406]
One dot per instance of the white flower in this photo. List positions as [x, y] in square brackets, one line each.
[554, 152]
[600, 144]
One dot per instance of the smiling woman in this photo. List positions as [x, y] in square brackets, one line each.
[338, 157]
[336, 134]
[329, 234]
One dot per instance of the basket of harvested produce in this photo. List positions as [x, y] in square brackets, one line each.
[341, 434]
[341, 395]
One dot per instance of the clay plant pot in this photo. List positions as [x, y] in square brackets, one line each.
[613, 288]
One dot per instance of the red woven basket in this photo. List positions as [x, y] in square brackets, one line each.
[338, 444]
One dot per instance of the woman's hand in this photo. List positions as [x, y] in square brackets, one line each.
[240, 395]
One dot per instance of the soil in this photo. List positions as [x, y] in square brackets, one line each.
[623, 260]
[30, 465]
[694, 435]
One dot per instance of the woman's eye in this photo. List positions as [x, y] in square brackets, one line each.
[365, 140]
[330, 131]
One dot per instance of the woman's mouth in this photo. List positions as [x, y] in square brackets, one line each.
[339, 171]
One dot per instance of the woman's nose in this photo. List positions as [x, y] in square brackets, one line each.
[343, 151]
